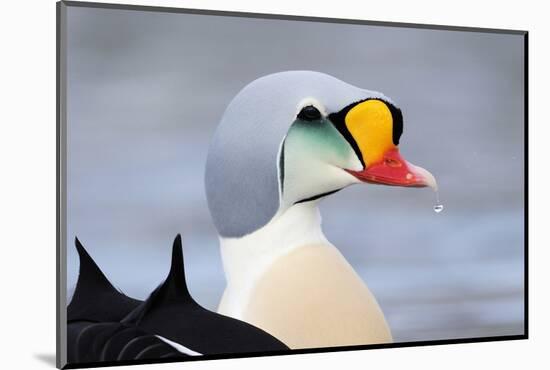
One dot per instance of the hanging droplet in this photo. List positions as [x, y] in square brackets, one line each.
[432, 183]
[438, 206]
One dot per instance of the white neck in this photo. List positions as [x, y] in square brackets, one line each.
[246, 258]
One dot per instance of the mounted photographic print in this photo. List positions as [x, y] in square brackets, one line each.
[234, 185]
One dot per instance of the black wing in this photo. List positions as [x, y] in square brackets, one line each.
[172, 313]
[94, 331]
[106, 325]
[95, 299]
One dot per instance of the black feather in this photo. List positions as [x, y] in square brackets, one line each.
[95, 298]
[172, 313]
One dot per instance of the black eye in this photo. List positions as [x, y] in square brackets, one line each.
[309, 113]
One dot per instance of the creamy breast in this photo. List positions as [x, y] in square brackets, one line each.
[312, 297]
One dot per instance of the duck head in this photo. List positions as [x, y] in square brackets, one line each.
[298, 136]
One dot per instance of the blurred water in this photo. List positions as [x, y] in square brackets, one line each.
[146, 90]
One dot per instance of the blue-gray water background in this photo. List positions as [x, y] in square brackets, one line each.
[146, 91]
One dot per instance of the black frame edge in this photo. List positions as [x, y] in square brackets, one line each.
[526, 185]
[300, 351]
[227, 13]
[61, 322]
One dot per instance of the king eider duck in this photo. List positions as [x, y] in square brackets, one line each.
[286, 141]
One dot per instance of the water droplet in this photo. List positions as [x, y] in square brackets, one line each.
[438, 206]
